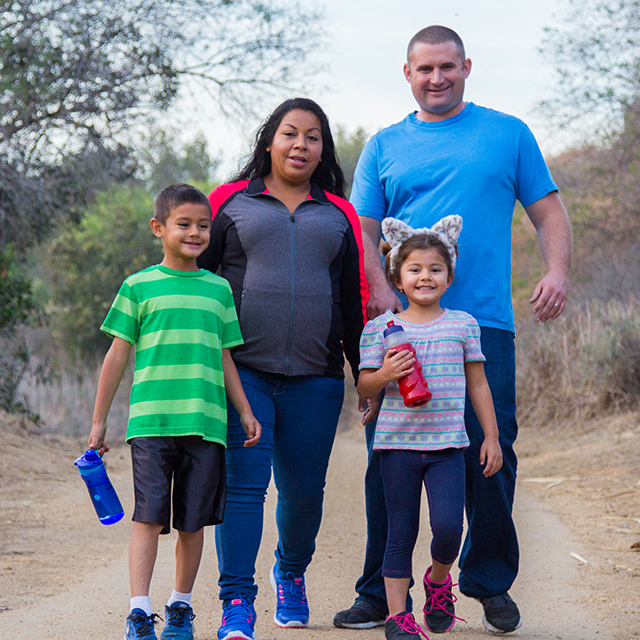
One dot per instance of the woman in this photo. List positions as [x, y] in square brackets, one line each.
[291, 248]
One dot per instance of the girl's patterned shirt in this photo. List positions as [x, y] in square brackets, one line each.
[442, 348]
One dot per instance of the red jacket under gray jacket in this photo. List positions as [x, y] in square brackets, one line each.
[297, 279]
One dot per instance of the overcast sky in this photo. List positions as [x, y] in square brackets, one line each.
[366, 51]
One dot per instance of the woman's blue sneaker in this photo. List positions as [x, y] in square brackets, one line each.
[178, 622]
[292, 608]
[140, 625]
[238, 621]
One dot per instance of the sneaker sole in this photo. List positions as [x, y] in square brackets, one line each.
[489, 627]
[237, 635]
[359, 625]
[449, 628]
[291, 624]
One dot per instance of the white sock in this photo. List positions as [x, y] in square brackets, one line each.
[176, 596]
[141, 602]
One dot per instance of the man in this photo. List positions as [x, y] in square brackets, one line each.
[452, 157]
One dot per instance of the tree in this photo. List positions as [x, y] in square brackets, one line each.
[77, 75]
[17, 307]
[349, 147]
[88, 263]
[596, 54]
[166, 160]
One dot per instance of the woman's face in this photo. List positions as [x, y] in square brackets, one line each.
[296, 148]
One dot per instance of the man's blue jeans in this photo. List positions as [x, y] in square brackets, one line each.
[490, 555]
[299, 416]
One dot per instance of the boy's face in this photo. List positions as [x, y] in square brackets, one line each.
[184, 236]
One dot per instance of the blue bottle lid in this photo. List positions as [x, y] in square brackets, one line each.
[89, 459]
[391, 328]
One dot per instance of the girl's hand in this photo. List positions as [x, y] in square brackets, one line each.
[252, 428]
[491, 454]
[96, 438]
[397, 365]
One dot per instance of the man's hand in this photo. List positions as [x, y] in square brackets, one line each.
[554, 235]
[549, 297]
[381, 299]
[381, 296]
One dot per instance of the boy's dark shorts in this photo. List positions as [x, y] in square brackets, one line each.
[199, 475]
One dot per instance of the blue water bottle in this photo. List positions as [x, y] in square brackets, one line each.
[103, 495]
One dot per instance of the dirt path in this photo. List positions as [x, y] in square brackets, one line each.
[77, 569]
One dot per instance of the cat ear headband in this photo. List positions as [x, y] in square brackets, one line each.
[447, 230]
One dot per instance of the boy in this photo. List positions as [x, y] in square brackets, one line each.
[183, 323]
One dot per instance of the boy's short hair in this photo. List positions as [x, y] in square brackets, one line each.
[173, 196]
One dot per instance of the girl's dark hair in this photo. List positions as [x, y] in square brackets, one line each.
[418, 242]
[328, 174]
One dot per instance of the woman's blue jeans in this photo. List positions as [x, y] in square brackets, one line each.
[299, 416]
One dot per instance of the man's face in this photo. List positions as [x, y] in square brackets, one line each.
[437, 73]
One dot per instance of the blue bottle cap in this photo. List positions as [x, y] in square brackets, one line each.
[89, 459]
[392, 329]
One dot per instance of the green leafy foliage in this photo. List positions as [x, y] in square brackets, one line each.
[349, 147]
[88, 263]
[17, 307]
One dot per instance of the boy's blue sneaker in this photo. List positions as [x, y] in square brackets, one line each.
[292, 608]
[238, 621]
[140, 625]
[178, 622]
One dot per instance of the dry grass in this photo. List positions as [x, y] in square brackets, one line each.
[585, 364]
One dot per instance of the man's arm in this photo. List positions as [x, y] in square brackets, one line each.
[381, 296]
[550, 219]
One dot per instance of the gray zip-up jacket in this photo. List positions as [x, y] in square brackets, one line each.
[297, 279]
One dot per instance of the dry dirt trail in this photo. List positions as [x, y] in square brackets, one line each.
[78, 587]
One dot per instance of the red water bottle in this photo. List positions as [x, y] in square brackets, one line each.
[414, 388]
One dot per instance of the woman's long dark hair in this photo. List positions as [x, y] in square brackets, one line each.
[328, 174]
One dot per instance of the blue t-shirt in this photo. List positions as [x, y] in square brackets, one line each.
[475, 164]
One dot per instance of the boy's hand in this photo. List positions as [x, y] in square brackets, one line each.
[252, 428]
[397, 365]
[491, 454]
[96, 438]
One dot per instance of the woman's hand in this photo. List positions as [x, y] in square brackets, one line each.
[369, 408]
[491, 454]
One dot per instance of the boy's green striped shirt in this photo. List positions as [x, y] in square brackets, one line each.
[179, 322]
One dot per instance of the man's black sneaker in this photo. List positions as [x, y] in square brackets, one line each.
[403, 627]
[501, 614]
[361, 615]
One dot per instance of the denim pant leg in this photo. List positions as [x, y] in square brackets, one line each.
[248, 475]
[490, 554]
[307, 412]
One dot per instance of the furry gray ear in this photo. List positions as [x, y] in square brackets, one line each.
[396, 231]
[447, 230]
[450, 226]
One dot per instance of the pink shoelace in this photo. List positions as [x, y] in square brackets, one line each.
[408, 623]
[440, 596]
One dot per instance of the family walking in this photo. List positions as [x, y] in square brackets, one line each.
[265, 286]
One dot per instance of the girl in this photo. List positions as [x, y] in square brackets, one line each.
[425, 444]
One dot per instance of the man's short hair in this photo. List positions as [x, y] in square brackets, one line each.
[175, 195]
[436, 34]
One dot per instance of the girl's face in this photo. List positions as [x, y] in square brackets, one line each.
[424, 277]
[296, 148]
